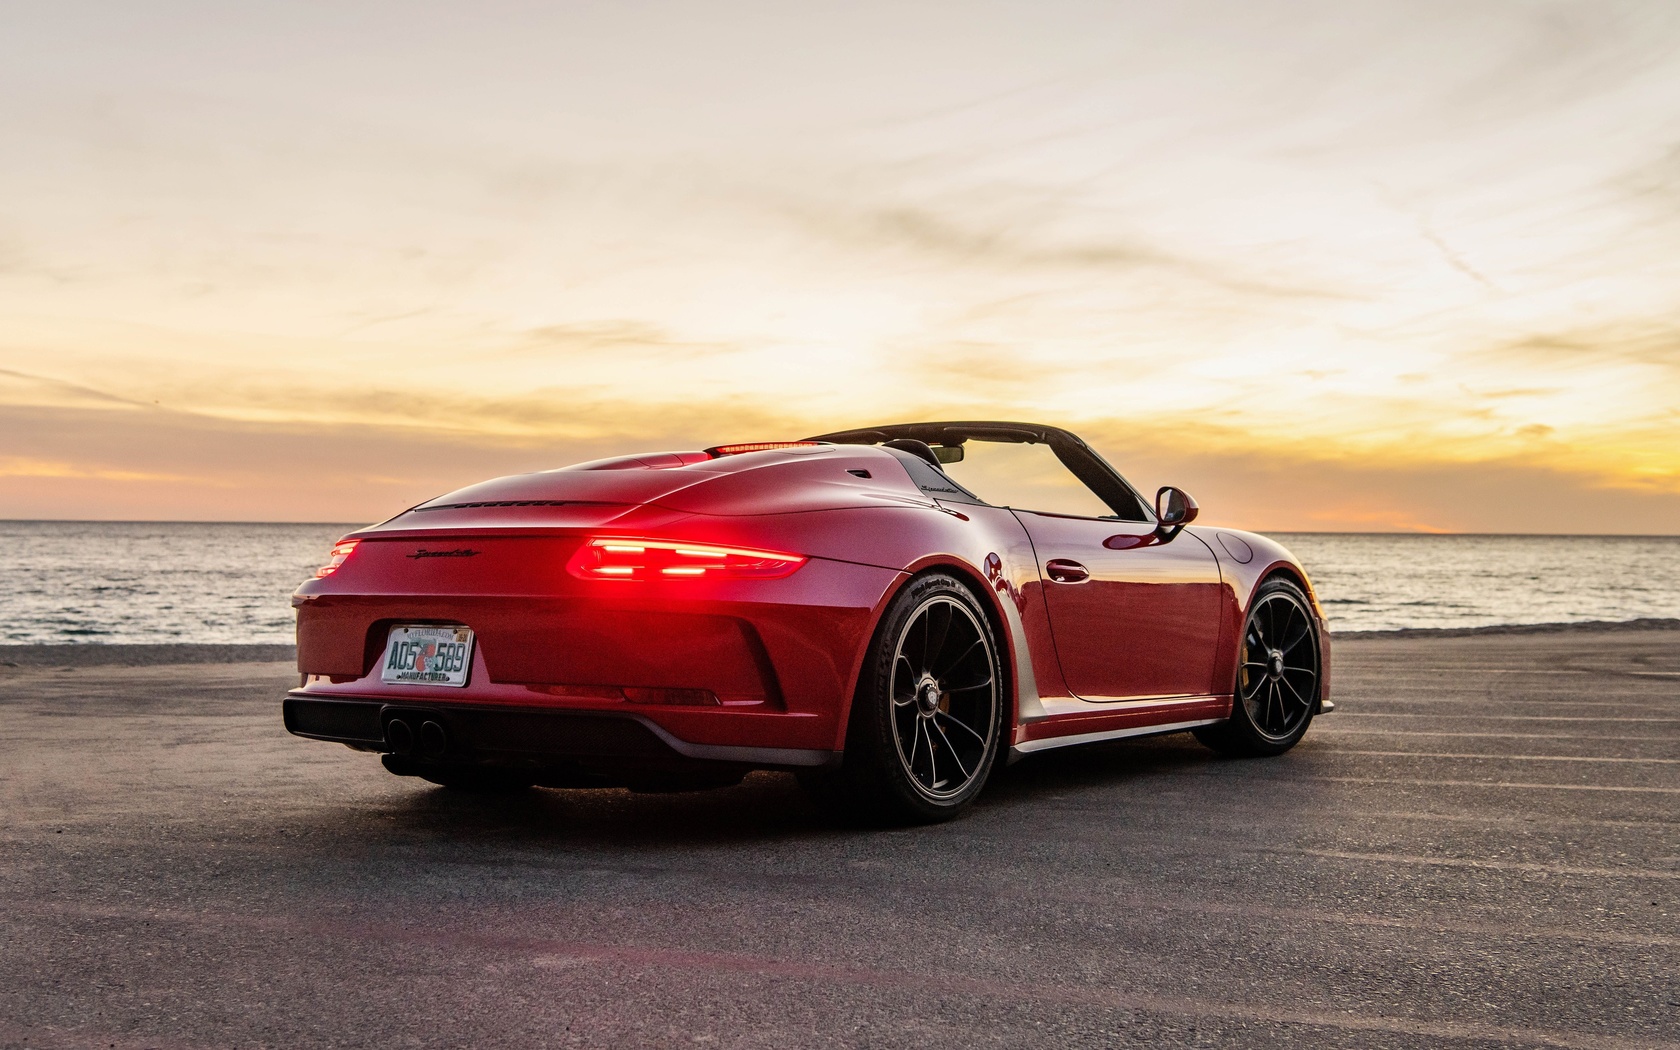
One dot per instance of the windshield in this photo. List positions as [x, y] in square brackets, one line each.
[1025, 477]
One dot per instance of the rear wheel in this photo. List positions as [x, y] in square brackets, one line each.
[1276, 691]
[927, 720]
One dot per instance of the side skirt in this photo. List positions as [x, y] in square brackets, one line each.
[1074, 721]
[1029, 746]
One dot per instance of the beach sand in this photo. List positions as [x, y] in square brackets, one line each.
[1480, 847]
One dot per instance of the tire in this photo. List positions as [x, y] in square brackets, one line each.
[1277, 681]
[926, 726]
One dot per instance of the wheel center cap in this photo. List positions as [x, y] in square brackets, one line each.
[1274, 663]
[927, 697]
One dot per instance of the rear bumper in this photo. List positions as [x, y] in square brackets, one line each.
[485, 734]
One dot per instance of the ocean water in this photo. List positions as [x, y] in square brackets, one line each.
[1383, 581]
[146, 582]
[138, 582]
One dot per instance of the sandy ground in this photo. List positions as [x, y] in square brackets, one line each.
[1480, 848]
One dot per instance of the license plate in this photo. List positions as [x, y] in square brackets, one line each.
[428, 656]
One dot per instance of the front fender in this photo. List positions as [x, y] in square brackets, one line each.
[1247, 560]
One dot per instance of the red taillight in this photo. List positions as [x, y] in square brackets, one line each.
[755, 446]
[341, 550]
[615, 558]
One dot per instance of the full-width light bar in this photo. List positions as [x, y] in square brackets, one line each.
[618, 558]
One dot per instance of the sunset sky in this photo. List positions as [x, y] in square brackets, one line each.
[1368, 266]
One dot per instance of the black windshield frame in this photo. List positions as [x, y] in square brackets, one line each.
[1080, 459]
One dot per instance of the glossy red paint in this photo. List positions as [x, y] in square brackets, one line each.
[1132, 618]
[761, 672]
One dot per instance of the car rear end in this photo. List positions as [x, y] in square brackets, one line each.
[588, 626]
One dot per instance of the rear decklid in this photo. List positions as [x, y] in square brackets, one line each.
[819, 477]
[630, 484]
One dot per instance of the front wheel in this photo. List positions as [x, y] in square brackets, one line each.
[927, 720]
[1277, 682]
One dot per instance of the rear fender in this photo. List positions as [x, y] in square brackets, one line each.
[1000, 599]
[1004, 598]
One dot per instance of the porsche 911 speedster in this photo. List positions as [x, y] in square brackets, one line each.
[889, 613]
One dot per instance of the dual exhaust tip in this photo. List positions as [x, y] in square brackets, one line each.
[430, 740]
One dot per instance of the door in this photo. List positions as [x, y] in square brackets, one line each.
[1132, 617]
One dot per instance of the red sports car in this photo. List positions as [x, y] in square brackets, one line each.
[887, 612]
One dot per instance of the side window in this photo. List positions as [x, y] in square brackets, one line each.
[1030, 477]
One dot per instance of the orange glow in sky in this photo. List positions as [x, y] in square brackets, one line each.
[1393, 265]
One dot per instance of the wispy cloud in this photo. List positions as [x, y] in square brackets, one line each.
[23, 388]
[1386, 242]
[171, 465]
[23, 467]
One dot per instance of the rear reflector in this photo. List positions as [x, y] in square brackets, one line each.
[340, 552]
[679, 697]
[755, 446]
[621, 558]
[633, 694]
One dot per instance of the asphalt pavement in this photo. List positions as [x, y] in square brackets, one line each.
[1481, 848]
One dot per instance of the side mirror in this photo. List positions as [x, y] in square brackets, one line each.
[1174, 509]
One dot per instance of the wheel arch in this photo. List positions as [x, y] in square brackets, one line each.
[990, 606]
[1293, 573]
[1284, 571]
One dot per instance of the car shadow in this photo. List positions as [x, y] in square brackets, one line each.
[1118, 764]
[764, 807]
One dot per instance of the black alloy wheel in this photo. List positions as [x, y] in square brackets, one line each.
[927, 720]
[944, 697]
[1278, 670]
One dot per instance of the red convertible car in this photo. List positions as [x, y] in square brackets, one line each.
[889, 613]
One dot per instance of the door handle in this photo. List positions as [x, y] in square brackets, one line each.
[1063, 571]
